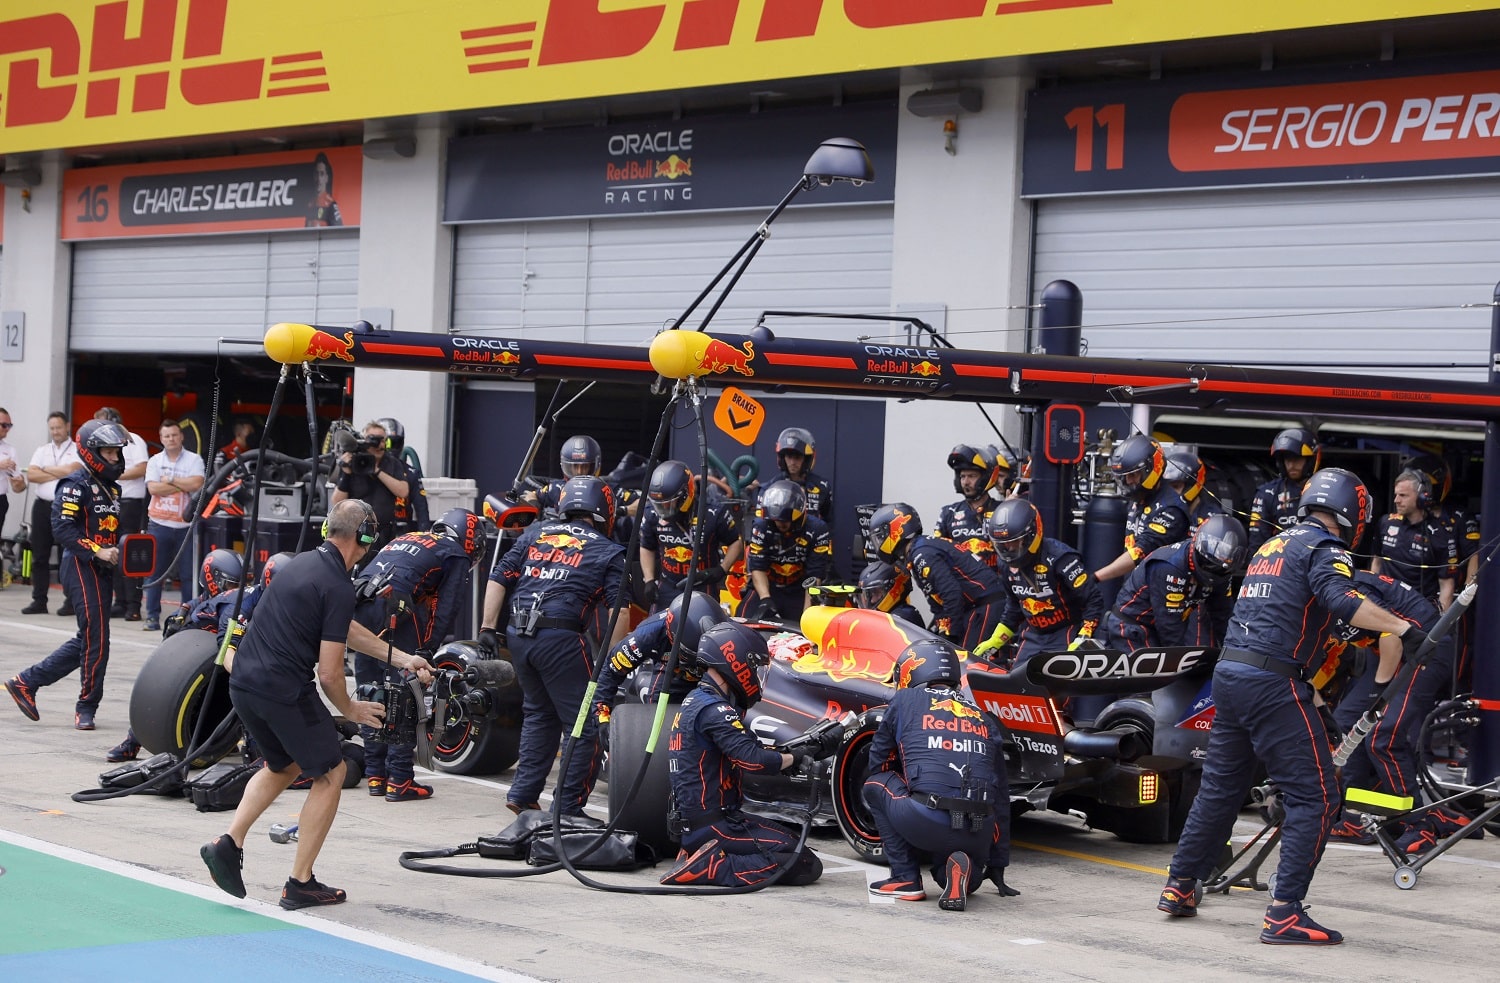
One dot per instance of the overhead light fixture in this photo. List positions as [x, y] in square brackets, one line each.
[945, 102]
[390, 148]
[21, 177]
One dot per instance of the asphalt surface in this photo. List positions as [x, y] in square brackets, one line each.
[1087, 911]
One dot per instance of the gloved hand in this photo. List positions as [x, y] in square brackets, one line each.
[489, 642]
[1335, 733]
[712, 577]
[1411, 641]
[601, 714]
[996, 876]
[650, 590]
[1079, 640]
[997, 639]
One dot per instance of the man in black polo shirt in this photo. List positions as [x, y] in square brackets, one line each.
[306, 620]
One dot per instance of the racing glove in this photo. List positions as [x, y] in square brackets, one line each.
[1411, 641]
[997, 639]
[649, 592]
[489, 642]
[1079, 639]
[601, 714]
[1335, 733]
[996, 876]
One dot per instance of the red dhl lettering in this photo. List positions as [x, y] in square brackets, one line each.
[1265, 567]
[931, 722]
[554, 556]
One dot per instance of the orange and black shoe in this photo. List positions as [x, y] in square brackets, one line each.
[1180, 897]
[1288, 924]
[24, 697]
[1446, 822]
[1350, 831]
[375, 784]
[407, 791]
[900, 888]
[1417, 840]
[960, 870]
[306, 894]
[698, 867]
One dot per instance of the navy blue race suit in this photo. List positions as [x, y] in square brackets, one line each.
[708, 750]
[85, 520]
[1159, 521]
[648, 642]
[963, 524]
[1386, 756]
[1297, 585]
[1274, 508]
[1054, 594]
[1162, 603]
[561, 580]
[671, 542]
[966, 596]
[412, 511]
[431, 571]
[1418, 554]
[935, 746]
[788, 559]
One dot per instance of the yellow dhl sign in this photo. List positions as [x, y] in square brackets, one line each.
[80, 73]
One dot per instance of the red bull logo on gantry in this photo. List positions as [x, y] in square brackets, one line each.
[720, 356]
[674, 167]
[322, 345]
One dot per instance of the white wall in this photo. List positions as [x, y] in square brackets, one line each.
[38, 269]
[405, 264]
[961, 240]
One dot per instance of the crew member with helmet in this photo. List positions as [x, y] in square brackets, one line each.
[1385, 760]
[410, 595]
[380, 488]
[1298, 584]
[937, 782]
[1188, 476]
[1157, 515]
[790, 550]
[652, 641]
[560, 582]
[668, 530]
[975, 473]
[795, 453]
[966, 597]
[1459, 528]
[1412, 546]
[85, 522]
[884, 588]
[1181, 594]
[1049, 588]
[708, 751]
[413, 509]
[581, 456]
[1295, 452]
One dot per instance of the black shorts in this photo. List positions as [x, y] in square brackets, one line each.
[286, 733]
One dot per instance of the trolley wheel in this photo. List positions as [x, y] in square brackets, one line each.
[1405, 877]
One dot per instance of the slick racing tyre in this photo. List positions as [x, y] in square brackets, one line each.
[851, 766]
[645, 812]
[468, 743]
[172, 691]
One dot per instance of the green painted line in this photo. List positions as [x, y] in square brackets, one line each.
[39, 893]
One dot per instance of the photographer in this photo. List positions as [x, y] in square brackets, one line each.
[308, 611]
[368, 473]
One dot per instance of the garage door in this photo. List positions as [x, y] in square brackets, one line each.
[182, 295]
[618, 280]
[1397, 275]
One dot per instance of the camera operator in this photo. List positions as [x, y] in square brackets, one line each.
[309, 610]
[368, 473]
[428, 570]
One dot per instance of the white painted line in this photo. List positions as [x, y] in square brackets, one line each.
[1028, 941]
[114, 638]
[376, 941]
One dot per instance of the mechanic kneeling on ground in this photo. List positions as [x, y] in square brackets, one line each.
[946, 797]
[1299, 582]
[302, 626]
[709, 748]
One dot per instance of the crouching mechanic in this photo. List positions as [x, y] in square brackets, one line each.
[651, 641]
[937, 782]
[303, 625]
[1299, 582]
[428, 571]
[709, 748]
[1180, 594]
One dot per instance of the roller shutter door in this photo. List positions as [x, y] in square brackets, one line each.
[617, 280]
[1319, 276]
[183, 294]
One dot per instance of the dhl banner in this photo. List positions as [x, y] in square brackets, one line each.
[291, 190]
[77, 73]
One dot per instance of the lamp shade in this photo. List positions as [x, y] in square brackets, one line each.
[840, 159]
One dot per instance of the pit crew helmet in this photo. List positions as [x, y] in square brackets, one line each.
[395, 434]
[464, 528]
[590, 496]
[881, 586]
[1188, 468]
[796, 440]
[1015, 529]
[93, 437]
[927, 661]
[1296, 442]
[737, 652]
[273, 563]
[673, 489]
[703, 612]
[892, 528]
[1341, 494]
[221, 571]
[580, 456]
[784, 501]
[1220, 546]
[964, 457]
[1138, 464]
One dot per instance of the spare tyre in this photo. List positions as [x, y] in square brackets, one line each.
[176, 687]
[645, 812]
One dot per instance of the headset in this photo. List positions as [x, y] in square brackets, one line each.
[369, 526]
[1424, 486]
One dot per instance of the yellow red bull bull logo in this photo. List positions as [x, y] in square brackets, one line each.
[1034, 607]
[321, 345]
[907, 668]
[925, 368]
[561, 541]
[109, 524]
[951, 715]
[677, 554]
[674, 167]
[720, 356]
[950, 705]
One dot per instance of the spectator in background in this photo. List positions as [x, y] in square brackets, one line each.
[54, 459]
[172, 477]
[132, 512]
[244, 431]
[10, 472]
